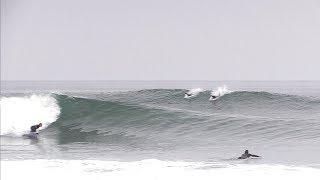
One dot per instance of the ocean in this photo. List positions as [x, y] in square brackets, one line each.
[152, 130]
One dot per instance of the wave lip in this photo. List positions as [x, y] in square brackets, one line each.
[19, 113]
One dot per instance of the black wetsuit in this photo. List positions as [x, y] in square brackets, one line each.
[34, 128]
[247, 155]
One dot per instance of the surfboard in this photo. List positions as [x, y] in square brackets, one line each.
[31, 135]
[213, 99]
[189, 96]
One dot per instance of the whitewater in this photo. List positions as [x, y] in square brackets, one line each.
[151, 130]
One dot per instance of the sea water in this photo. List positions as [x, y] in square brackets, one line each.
[149, 130]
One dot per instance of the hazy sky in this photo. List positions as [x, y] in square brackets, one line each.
[160, 39]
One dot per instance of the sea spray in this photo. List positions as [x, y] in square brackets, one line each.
[220, 91]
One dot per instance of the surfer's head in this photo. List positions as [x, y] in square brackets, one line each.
[246, 152]
[40, 124]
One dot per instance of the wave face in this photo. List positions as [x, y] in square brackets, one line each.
[138, 113]
[162, 120]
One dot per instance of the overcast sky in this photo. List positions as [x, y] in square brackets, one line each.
[160, 39]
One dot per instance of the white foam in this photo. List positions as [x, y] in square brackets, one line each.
[148, 169]
[193, 92]
[19, 113]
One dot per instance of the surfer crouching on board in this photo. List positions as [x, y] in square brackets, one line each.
[35, 127]
[246, 155]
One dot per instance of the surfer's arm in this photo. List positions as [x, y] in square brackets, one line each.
[252, 155]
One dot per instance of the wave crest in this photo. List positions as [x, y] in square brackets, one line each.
[19, 113]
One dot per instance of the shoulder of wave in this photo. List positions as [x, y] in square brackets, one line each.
[275, 95]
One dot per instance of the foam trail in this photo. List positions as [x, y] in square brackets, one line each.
[193, 92]
[19, 113]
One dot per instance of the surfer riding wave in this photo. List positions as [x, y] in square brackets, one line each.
[33, 129]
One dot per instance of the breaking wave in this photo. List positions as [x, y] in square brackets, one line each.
[163, 116]
[18, 113]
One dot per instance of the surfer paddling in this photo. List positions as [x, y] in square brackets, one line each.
[246, 155]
